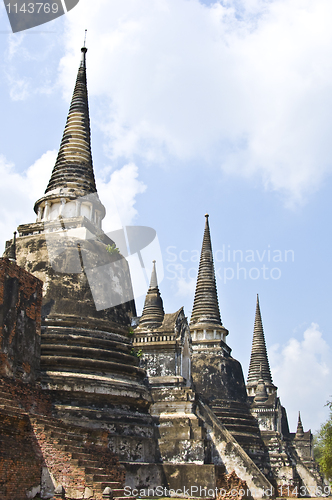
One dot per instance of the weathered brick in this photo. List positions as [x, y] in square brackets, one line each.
[20, 323]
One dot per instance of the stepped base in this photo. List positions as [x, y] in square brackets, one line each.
[181, 436]
[191, 480]
[238, 420]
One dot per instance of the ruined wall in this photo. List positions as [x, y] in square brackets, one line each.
[230, 486]
[303, 445]
[218, 377]
[81, 279]
[20, 309]
[20, 460]
[37, 451]
[162, 361]
[20, 455]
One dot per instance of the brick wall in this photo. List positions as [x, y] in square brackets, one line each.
[20, 458]
[230, 486]
[20, 322]
[32, 441]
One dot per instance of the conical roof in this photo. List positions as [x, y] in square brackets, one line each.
[299, 430]
[153, 311]
[206, 306]
[259, 363]
[73, 175]
[73, 167]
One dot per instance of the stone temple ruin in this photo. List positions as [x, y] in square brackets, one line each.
[81, 414]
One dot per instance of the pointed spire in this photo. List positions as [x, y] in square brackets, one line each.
[153, 311]
[259, 363]
[73, 167]
[206, 307]
[12, 250]
[299, 430]
[72, 176]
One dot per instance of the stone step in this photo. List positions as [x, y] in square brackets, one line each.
[70, 439]
[97, 478]
[61, 363]
[85, 463]
[87, 340]
[102, 413]
[82, 456]
[7, 396]
[56, 424]
[240, 418]
[117, 492]
[108, 484]
[69, 442]
[10, 405]
[67, 436]
[93, 470]
[235, 415]
[125, 498]
[66, 429]
[88, 352]
[12, 410]
[100, 486]
[238, 428]
[72, 448]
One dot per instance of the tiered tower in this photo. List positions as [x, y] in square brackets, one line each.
[153, 311]
[71, 191]
[87, 358]
[259, 368]
[289, 455]
[217, 376]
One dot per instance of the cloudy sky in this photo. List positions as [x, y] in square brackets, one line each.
[218, 106]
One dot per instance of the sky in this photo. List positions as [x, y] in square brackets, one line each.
[219, 107]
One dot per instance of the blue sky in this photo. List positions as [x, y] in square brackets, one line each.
[195, 107]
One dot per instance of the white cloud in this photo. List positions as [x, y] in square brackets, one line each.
[119, 196]
[185, 288]
[244, 86]
[302, 371]
[18, 193]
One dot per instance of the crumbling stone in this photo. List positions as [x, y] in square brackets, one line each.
[59, 492]
[230, 486]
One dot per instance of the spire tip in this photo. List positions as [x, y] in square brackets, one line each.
[84, 49]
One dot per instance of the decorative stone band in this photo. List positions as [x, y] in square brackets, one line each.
[198, 334]
[64, 203]
[154, 338]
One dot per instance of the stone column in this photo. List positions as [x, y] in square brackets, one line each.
[92, 212]
[78, 208]
[39, 214]
[62, 206]
[47, 210]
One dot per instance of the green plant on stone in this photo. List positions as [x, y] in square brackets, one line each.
[112, 249]
[130, 332]
[135, 353]
[323, 446]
